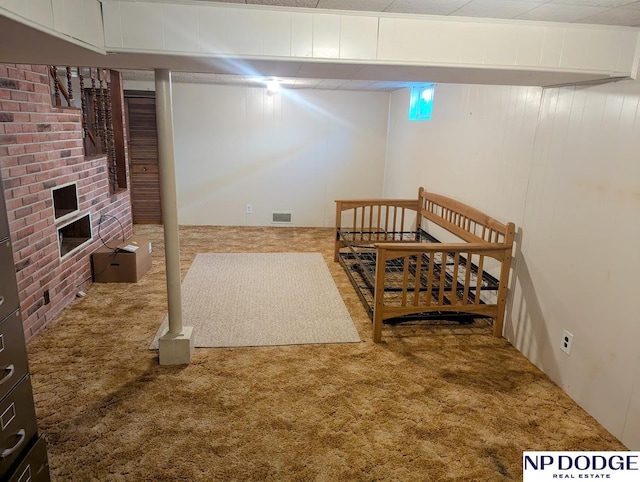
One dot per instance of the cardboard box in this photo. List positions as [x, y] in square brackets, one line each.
[127, 262]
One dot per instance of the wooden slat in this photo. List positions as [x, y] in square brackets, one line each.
[395, 217]
[353, 203]
[417, 282]
[504, 282]
[386, 222]
[467, 279]
[496, 251]
[355, 219]
[430, 280]
[443, 276]
[405, 280]
[392, 311]
[338, 242]
[479, 280]
[454, 295]
[378, 309]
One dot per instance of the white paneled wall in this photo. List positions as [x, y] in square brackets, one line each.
[296, 151]
[37, 11]
[563, 165]
[197, 28]
[475, 130]
[580, 251]
[75, 19]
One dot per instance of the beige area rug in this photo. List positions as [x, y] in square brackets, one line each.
[262, 299]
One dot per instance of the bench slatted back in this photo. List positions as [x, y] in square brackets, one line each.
[376, 219]
[464, 221]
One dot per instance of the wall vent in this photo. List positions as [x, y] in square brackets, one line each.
[280, 217]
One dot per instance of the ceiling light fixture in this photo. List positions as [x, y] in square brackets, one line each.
[273, 87]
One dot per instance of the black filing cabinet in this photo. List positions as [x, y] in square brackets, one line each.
[23, 455]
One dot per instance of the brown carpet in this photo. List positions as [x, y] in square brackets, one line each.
[426, 404]
[262, 299]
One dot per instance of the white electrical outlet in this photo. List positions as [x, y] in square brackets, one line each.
[567, 342]
[249, 208]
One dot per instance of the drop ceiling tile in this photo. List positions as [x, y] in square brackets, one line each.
[201, 77]
[306, 83]
[633, 5]
[227, 78]
[388, 85]
[426, 7]
[330, 83]
[250, 81]
[365, 5]
[555, 12]
[594, 3]
[137, 75]
[324, 70]
[225, 1]
[280, 69]
[496, 8]
[285, 3]
[355, 85]
[623, 16]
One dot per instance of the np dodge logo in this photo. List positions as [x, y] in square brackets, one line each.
[615, 466]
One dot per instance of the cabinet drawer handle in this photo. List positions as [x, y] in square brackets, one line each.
[10, 369]
[1, 299]
[21, 436]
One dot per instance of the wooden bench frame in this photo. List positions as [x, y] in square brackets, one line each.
[382, 224]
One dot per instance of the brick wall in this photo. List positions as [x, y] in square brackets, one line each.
[41, 148]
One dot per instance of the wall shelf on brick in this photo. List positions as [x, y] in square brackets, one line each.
[74, 235]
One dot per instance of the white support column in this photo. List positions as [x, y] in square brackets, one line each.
[175, 346]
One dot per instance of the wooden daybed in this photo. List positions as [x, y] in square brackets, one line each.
[389, 250]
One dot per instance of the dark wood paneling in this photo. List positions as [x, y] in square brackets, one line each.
[143, 155]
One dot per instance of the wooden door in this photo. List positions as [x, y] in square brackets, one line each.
[143, 156]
